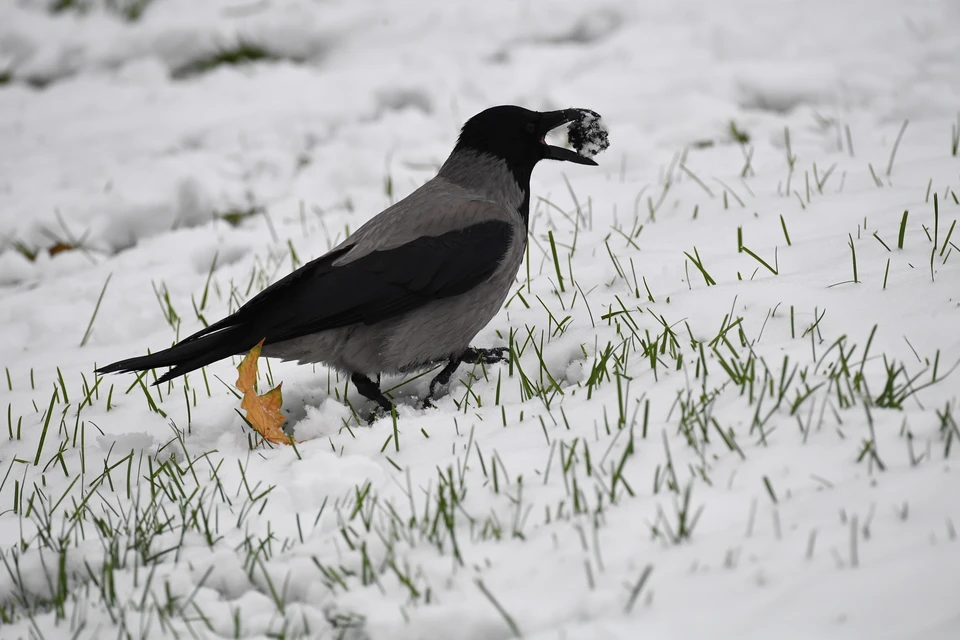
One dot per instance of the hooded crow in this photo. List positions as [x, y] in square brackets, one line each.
[412, 287]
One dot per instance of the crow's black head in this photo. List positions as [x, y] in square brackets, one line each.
[516, 135]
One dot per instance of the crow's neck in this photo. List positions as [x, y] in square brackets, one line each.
[491, 178]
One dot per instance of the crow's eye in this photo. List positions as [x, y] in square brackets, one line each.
[530, 128]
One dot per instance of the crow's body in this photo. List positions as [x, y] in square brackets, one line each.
[411, 287]
[457, 273]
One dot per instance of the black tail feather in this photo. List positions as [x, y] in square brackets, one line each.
[188, 355]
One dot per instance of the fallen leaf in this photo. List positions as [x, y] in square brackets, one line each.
[60, 247]
[263, 412]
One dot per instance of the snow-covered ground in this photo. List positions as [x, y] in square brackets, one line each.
[732, 409]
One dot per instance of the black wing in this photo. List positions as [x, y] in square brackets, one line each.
[321, 296]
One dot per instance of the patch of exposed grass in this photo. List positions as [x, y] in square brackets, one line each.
[235, 217]
[28, 252]
[40, 82]
[738, 134]
[59, 6]
[241, 53]
[129, 10]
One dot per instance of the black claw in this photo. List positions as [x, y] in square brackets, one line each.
[441, 380]
[377, 414]
[485, 356]
[470, 356]
[371, 390]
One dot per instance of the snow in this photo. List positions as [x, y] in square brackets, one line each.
[588, 135]
[546, 487]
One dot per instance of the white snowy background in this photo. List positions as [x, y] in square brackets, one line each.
[732, 410]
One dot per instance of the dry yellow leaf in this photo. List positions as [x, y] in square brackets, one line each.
[263, 412]
[60, 247]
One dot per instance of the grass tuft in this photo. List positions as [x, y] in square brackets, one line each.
[129, 10]
[514, 629]
[955, 137]
[96, 308]
[896, 145]
[236, 217]
[243, 52]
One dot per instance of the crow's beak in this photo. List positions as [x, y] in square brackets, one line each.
[550, 120]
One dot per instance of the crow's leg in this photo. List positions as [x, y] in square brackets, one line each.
[441, 380]
[470, 356]
[371, 390]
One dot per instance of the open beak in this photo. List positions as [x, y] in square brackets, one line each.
[550, 120]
